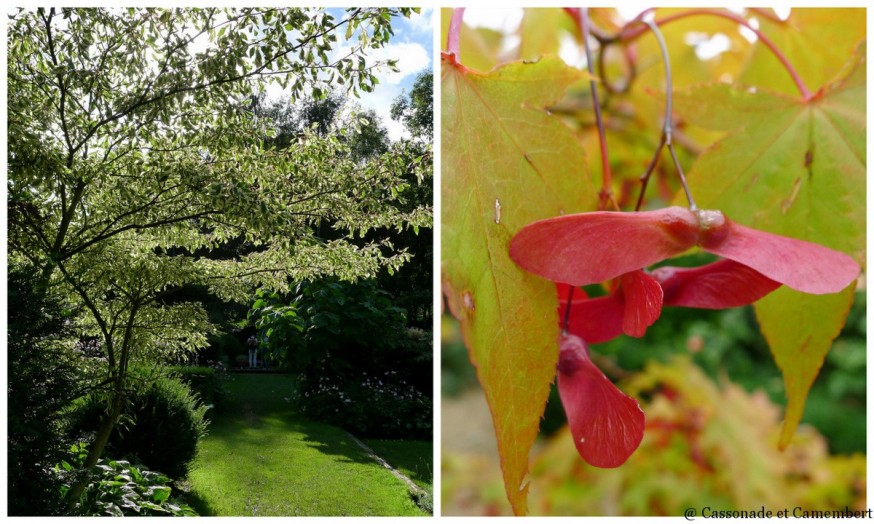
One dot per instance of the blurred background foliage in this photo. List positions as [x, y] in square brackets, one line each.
[713, 399]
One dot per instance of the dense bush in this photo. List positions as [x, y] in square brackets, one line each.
[43, 374]
[163, 422]
[205, 382]
[117, 489]
[358, 365]
[353, 323]
[368, 405]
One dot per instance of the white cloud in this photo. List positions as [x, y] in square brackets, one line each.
[411, 58]
[422, 22]
[380, 101]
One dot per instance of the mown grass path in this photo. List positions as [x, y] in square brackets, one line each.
[261, 458]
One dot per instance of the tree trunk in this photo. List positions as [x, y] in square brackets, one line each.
[96, 450]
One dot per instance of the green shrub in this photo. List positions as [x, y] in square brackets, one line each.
[206, 382]
[162, 424]
[377, 405]
[117, 489]
[43, 373]
[357, 364]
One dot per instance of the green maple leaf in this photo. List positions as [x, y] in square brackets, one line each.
[795, 168]
[816, 41]
[506, 162]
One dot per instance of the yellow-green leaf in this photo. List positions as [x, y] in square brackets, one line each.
[816, 42]
[797, 169]
[541, 30]
[506, 162]
[800, 329]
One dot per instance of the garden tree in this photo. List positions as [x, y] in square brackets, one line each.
[331, 114]
[130, 149]
[410, 286]
[547, 173]
[372, 136]
[416, 109]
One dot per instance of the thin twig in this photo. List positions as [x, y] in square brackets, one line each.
[667, 127]
[606, 193]
[627, 36]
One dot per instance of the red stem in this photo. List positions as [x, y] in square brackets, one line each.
[454, 32]
[635, 33]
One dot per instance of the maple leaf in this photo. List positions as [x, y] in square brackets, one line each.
[795, 168]
[506, 162]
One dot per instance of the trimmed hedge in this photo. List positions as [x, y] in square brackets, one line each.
[161, 426]
[206, 382]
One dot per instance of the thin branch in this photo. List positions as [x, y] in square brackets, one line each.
[99, 238]
[668, 111]
[101, 323]
[260, 71]
[61, 86]
[629, 35]
[606, 193]
[644, 179]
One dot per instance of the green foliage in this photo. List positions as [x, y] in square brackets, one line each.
[375, 406]
[329, 320]
[119, 489]
[44, 372]
[279, 328]
[133, 153]
[416, 110]
[708, 443]
[164, 421]
[206, 383]
[357, 364]
[810, 198]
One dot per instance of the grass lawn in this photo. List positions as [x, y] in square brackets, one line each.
[261, 458]
[413, 458]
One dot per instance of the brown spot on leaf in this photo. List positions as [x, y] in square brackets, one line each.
[467, 300]
[787, 203]
[752, 182]
[808, 157]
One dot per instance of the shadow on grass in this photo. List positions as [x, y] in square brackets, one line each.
[253, 403]
[200, 505]
[262, 457]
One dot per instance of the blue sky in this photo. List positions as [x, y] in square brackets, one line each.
[413, 46]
